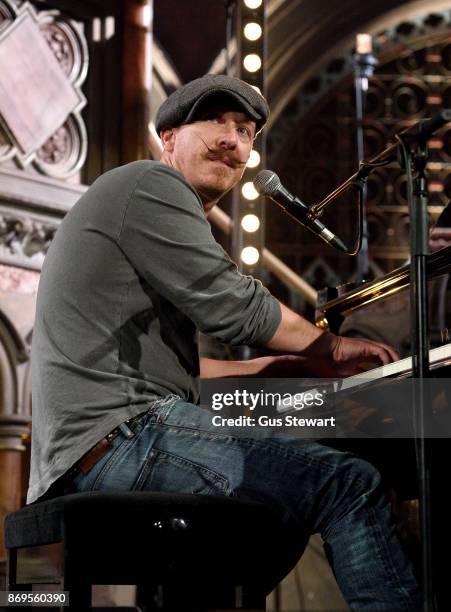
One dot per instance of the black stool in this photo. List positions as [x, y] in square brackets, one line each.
[184, 552]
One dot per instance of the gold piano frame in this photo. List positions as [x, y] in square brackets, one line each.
[341, 306]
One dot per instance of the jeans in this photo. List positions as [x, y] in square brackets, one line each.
[175, 448]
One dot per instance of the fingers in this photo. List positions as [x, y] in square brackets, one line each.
[439, 238]
[381, 353]
[438, 233]
[388, 354]
[437, 245]
[369, 351]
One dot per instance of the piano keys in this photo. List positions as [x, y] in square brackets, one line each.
[439, 357]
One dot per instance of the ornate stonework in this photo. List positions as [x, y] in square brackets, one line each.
[64, 152]
[56, 148]
[60, 44]
[23, 238]
[47, 130]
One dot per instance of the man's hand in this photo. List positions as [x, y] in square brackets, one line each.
[439, 238]
[350, 356]
[333, 355]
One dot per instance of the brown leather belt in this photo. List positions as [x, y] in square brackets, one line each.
[88, 461]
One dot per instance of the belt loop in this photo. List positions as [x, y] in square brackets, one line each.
[128, 433]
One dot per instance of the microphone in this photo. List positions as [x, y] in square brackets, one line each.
[267, 183]
[425, 129]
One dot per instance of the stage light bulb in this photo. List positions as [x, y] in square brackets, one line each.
[252, 31]
[250, 223]
[364, 44]
[253, 4]
[254, 159]
[250, 255]
[252, 62]
[249, 192]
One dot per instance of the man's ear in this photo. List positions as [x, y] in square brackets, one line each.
[168, 139]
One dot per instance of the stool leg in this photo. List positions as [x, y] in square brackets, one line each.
[11, 576]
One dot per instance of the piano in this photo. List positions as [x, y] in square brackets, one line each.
[380, 310]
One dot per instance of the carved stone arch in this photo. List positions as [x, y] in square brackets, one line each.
[14, 352]
[14, 415]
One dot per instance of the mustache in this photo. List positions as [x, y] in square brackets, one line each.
[233, 162]
[224, 156]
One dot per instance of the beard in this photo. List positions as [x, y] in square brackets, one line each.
[216, 183]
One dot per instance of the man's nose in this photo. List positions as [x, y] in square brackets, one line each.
[227, 137]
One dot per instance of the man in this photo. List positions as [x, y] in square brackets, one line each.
[130, 277]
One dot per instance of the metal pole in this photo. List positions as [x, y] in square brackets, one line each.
[419, 322]
[364, 63]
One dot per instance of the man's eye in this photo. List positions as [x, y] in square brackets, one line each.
[244, 131]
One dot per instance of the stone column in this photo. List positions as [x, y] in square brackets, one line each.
[15, 419]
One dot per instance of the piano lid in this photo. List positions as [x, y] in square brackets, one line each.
[346, 302]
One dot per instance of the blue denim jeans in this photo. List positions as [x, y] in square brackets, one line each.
[175, 448]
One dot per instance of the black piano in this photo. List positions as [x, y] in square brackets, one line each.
[380, 310]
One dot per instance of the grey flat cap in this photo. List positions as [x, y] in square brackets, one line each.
[181, 106]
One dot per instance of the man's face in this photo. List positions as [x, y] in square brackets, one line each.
[211, 152]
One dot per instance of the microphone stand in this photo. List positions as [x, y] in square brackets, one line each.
[364, 63]
[414, 157]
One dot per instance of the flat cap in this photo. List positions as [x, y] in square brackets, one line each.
[181, 106]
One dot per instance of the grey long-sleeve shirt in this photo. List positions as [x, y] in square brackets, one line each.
[132, 273]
